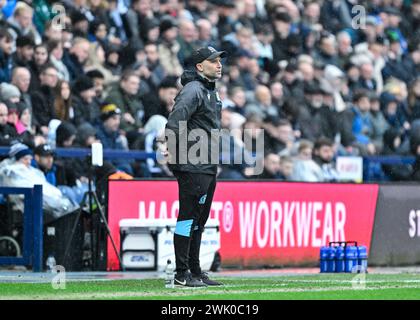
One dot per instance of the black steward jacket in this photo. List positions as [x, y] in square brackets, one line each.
[200, 106]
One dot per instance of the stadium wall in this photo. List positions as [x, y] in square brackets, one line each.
[272, 224]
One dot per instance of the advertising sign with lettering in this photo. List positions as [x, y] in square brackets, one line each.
[261, 223]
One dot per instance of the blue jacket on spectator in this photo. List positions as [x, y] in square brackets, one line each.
[6, 66]
[362, 126]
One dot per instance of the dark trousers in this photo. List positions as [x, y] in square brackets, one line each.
[196, 192]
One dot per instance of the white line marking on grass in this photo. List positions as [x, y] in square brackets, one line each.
[186, 292]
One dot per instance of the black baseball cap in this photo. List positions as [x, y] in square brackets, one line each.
[206, 53]
[44, 150]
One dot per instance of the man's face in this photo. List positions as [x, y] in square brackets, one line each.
[24, 19]
[99, 86]
[26, 53]
[328, 46]
[88, 95]
[113, 123]
[22, 79]
[49, 77]
[366, 71]
[81, 50]
[326, 153]
[6, 45]
[45, 162]
[364, 104]
[167, 95]
[3, 114]
[211, 69]
[40, 56]
[151, 53]
[131, 85]
[287, 168]
[284, 133]
[272, 163]
[26, 160]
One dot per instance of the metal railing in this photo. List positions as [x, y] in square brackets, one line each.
[32, 253]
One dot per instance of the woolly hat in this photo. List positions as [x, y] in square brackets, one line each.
[166, 24]
[64, 131]
[109, 110]
[8, 91]
[83, 83]
[19, 150]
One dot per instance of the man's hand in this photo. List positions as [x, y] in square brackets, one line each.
[162, 154]
[128, 118]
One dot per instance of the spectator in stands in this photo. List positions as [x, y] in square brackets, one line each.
[262, 107]
[55, 52]
[96, 61]
[6, 50]
[379, 123]
[206, 32]
[168, 49]
[413, 110]
[356, 124]
[304, 168]
[21, 78]
[272, 167]
[63, 106]
[43, 99]
[23, 124]
[40, 60]
[75, 58]
[24, 51]
[238, 98]
[125, 95]
[9, 92]
[323, 155]
[156, 71]
[65, 135]
[136, 18]
[7, 132]
[22, 154]
[366, 80]
[99, 84]
[85, 108]
[327, 52]
[163, 103]
[286, 168]
[316, 119]
[187, 39]
[392, 146]
[21, 22]
[279, 137]
[108, 132]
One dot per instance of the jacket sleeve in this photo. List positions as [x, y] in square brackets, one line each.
[186, 103]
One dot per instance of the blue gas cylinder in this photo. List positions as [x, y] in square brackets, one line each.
[331, 259]
[350, 258]
[339, 259]
[362, 258]
[324, 254]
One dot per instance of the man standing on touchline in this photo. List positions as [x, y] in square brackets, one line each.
[197, 106]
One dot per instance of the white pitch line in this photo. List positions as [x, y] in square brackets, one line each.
[188, 292]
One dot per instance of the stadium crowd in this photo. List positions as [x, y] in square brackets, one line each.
[319, 77]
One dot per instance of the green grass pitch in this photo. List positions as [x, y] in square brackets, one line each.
[319, 286]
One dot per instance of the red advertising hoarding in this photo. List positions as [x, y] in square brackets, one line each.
[261, 223]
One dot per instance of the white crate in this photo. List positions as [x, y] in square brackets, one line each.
[147, 244]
